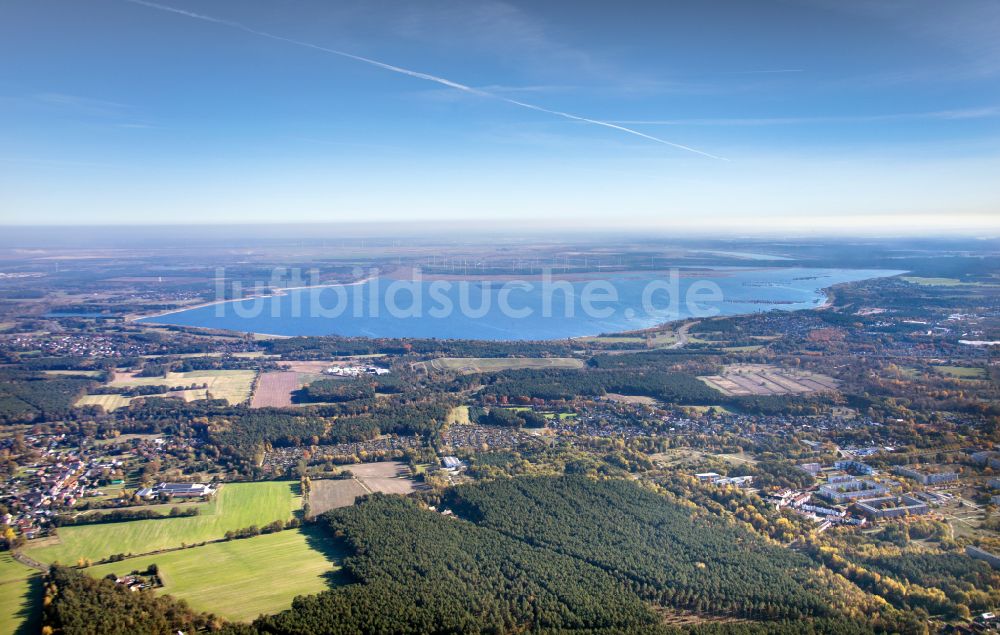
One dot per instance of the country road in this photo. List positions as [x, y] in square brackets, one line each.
[682, 335]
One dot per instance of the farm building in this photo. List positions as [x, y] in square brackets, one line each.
[892, 506]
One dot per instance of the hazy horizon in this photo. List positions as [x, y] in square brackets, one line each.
[804, 118]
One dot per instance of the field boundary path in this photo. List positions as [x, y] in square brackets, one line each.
[29, 562]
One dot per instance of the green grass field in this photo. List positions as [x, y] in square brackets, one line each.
[20, 597]
[241, 579]
[236, 506]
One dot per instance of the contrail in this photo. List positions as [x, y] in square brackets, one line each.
[424, 76]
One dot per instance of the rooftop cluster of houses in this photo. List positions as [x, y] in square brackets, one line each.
[176, 490]
[824, 515]
[355, 371]
[55, 482]
[79, 345]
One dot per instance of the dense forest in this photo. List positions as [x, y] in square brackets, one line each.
[26, 397]
[661, 550]
[566, 384]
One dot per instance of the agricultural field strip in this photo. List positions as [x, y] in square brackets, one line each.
[746, 380]
[274, 389]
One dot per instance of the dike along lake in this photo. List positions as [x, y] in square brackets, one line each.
[533, 308]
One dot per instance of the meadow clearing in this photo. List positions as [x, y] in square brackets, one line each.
[240, 579]
[470, 365]
[458, 415]
[235, 506]
[20, 591]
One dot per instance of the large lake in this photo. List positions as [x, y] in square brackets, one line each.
[532, 309]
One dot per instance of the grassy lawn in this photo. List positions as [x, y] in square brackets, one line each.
[962, 372]
[108, 402]
[125, 438]
[237, 505]
[743, 349]
[241, 579]
[20, 597]
[75, 373]
[562, 416]
[459, 415]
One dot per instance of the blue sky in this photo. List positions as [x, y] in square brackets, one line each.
[878, 115]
